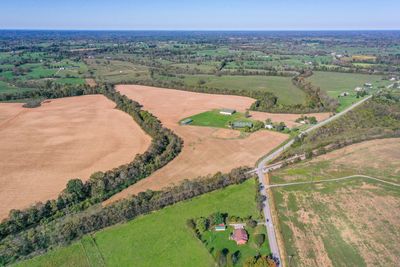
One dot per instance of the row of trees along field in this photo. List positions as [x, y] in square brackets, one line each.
[379, 117]
[317, 100]
[78, 195]
[64, 230]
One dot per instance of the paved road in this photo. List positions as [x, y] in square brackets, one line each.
[260, 173]
[334, 180]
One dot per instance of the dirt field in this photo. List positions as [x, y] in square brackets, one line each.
[288, 119]
[378, 158]
[347, 223]
[42, 148]
[206, 150]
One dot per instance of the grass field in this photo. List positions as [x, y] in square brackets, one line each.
[335, 83]
[117, 71]
[158, 239]
[282, 87]
[346, 223]
[217, 241]
[214, 119]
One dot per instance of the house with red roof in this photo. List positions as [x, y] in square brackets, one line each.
[240, 236]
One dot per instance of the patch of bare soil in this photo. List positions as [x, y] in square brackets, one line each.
[90, 82]
[203, 153]
[226, 134]
[44, 147]
[288, 119]
[377, 154]
[365, 218]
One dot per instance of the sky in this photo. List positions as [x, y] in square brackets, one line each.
[200, 15]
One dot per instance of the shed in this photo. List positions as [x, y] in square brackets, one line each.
[242, 124]
[186, 121]
[220, 227]
[227, 111]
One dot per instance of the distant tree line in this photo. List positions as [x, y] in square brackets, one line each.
[63, 231]
[80, 195]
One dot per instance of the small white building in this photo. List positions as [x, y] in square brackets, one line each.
[392, 79]
[359, 89]
[344, 94]
[269, 126]
[227, 111]
[368, 84]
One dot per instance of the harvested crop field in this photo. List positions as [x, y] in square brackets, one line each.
[206, 150]
[351, 222]
[288, 119]
[44, 147]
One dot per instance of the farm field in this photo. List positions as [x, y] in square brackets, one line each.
[213, 118]
[116, 71]
[344, 223]
[160, 238]
[282, 87]
[206, 150]
[44, 147]
[335, 83]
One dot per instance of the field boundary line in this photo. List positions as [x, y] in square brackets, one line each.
[97, 250]
[336, 179]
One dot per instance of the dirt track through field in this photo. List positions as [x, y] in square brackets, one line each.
[43, 148]
[206, 150]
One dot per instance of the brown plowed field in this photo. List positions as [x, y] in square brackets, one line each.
[206, 150]
[42, 148]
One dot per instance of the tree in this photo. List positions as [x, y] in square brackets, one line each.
[217, 218]
[190, 223]
[312, 120]
[221, 257]
[202, 224]
[252, 223]
[75, 189]
[247, 113]
[235, 257]
[259, 239]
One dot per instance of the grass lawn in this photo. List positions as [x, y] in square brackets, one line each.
[217, 241]
[160, 238]
[214, 119]
[282, 87]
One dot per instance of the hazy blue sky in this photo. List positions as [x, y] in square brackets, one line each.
[204, 14]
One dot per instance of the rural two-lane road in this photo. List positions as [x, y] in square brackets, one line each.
[260, 173]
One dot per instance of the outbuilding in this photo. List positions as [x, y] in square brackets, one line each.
[186, 121]
[227, 111]
[220, 227]
[242, 124]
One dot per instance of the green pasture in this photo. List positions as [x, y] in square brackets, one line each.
[157, 239]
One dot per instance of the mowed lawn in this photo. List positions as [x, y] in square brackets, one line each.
[282, 87]
[158, 239]
[213, 118]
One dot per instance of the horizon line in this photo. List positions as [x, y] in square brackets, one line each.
[198, 30]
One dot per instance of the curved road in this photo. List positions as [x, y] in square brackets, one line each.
[259, 170]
